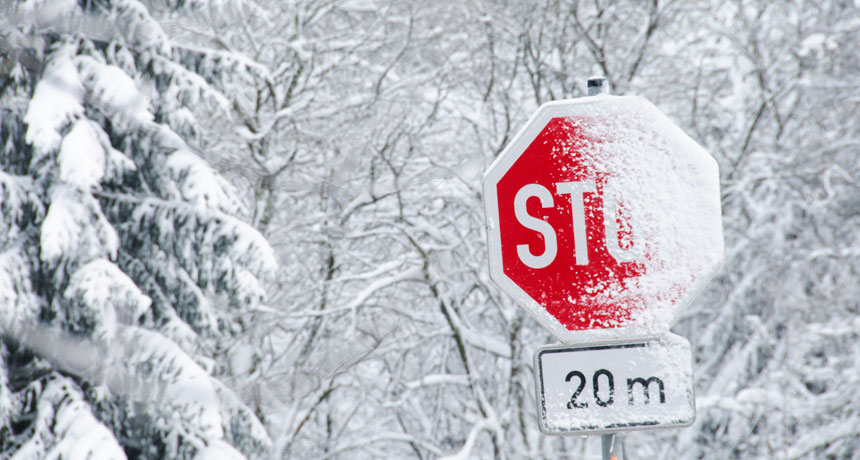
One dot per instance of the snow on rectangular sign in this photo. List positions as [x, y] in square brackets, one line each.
[615, 387]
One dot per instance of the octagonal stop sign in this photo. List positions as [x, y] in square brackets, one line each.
[603, 218]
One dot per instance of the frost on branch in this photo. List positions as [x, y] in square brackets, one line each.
[75, 228]
[162, 375]
[19, 205]
[100, 296]
[241, 426]
[20, 304]
[56, 102]
[213, 250]
[65, 428]
[111, 90]
[6, 403]
[218, 450]
[182, 88]
[134, 23]
[87, 158]
[193, 181]
[15, 152]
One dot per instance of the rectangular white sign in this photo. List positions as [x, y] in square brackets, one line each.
[604, 388]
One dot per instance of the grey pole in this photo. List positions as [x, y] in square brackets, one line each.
[597, 85]
[610, 443]
[611, 446]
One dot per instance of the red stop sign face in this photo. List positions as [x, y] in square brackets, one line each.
[583, 274]
[603, 218]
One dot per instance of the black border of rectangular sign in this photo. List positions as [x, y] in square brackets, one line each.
[595, 429]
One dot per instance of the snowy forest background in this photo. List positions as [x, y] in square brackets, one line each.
[254, 228]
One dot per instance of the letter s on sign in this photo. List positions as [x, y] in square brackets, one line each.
[533, 223]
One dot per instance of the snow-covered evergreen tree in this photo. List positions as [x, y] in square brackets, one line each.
[124, 265]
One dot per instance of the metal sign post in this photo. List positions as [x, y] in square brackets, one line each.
[611, 447]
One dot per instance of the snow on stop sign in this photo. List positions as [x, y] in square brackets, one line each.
[603, 218]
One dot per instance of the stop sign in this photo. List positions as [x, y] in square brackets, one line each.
[603, 218]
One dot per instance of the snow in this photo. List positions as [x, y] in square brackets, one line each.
[20, 304]
[825, 436]
[412, 273]
[48, 13]
[761, 396]
[111, 90]
[359, 6]
[240, 423]
[108, 293]
[139, 28]
[250, 247]
[82, 159]
[165, 376]
[674, 191]
[198, 184]
[81, 439]
[485, 342]
[438, 379]
[17, 194]
[61, 227]
[465, 452]
[86, 157]
[66, 429]
[56, 101]
[218, 450]
[74, 226]
[817, 43]
[7, 408]
[180, 333]
[188, 88]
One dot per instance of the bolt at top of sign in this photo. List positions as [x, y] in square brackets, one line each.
[597, 85]
[603, 218]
